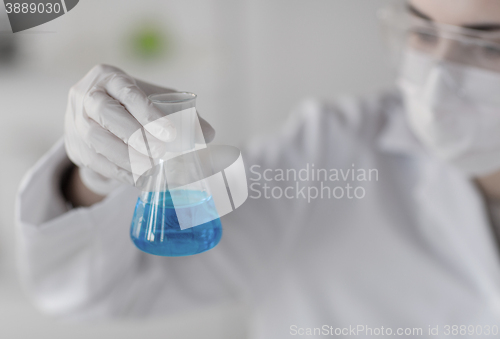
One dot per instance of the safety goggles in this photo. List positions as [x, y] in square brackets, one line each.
[403, 29]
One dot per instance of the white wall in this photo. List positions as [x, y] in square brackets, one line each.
[249, 61]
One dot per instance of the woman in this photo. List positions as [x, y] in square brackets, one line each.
[417, 252]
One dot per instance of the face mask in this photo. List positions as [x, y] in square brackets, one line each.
[454, 110]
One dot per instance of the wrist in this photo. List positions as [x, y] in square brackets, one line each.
[74, 190]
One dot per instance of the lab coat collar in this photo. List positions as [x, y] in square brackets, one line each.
[396, 136]
[452, 217]
[453, 221]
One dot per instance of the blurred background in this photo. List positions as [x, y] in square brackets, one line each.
[249, 61]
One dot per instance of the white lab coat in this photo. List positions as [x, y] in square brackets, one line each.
[416, 251]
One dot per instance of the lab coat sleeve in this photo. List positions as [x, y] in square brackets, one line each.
[81, 262]
[64, 252]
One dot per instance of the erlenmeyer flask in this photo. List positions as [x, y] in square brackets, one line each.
[172, 196]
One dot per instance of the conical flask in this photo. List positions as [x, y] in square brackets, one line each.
[175, 214]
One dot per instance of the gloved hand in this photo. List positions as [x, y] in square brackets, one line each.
[104, 109]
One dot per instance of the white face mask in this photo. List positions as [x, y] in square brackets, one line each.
[454, 110]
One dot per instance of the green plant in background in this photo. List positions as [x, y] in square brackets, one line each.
[149, 41]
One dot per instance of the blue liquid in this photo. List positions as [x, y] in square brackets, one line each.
[155, 228]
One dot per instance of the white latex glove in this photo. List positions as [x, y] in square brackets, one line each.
[104, 109]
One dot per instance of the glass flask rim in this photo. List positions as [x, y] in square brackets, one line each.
[158, 98]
